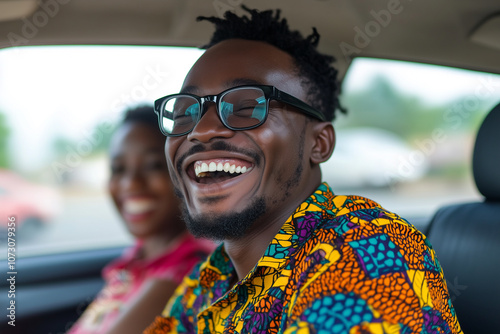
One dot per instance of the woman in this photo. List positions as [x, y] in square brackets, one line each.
[139, 283]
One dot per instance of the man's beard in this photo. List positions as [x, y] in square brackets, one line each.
[234, 225]
[230, 225]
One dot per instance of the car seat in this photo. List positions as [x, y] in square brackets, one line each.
[466, 238]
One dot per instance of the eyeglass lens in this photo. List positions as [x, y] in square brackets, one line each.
[238, 108]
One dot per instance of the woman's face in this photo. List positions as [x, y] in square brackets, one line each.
[140, 184]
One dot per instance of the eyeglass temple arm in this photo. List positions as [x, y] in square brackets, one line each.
[287, 98]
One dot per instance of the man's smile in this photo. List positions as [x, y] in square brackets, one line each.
[216, 167]
[219, 169]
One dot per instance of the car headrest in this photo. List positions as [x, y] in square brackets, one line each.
[486, 159]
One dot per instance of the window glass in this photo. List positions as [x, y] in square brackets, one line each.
[405, 142]
[407, 138]
[58, 109]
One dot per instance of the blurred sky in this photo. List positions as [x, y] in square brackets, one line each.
[431, 83]
[61, 91]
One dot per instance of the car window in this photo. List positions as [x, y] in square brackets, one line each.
[58, 108]
[406, 140]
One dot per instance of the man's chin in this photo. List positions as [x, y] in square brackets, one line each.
[227, 225]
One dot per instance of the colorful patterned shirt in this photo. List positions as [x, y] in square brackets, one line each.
[339, 264]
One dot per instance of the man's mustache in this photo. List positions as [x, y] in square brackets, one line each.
[216, 146]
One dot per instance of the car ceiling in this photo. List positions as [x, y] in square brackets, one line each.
[460, 33]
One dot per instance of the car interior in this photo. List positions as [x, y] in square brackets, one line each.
[443, 154]
[463, 247]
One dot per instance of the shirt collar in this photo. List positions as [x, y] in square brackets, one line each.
[299, 227]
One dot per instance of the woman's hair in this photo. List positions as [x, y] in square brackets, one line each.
[141, 114]
[267, 26]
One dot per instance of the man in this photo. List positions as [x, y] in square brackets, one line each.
[246, 136]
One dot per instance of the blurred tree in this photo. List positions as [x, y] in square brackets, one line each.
[93, 142]
[101, 135]
[60, 146]
[4, 137]
[381, 105]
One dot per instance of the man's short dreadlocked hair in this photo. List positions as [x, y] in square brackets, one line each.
[267, 26]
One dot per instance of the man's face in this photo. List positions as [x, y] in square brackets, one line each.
[224, 205]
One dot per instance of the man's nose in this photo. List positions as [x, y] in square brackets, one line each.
[209, 126]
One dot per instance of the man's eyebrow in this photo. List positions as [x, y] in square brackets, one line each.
[189, 90]
[229, 84]
[241, 82]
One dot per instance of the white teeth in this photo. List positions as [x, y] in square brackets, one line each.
[203, 169]
[138, 206]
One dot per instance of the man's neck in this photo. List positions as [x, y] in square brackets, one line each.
[245, 252]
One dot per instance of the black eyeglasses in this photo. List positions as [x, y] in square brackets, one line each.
[239, 108]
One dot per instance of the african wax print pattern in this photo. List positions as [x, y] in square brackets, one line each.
[339, 264]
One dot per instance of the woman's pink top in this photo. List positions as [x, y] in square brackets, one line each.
[125, 276]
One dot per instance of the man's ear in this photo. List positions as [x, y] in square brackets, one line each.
[324, 142]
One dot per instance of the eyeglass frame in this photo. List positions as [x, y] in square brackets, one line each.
[270, 93]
